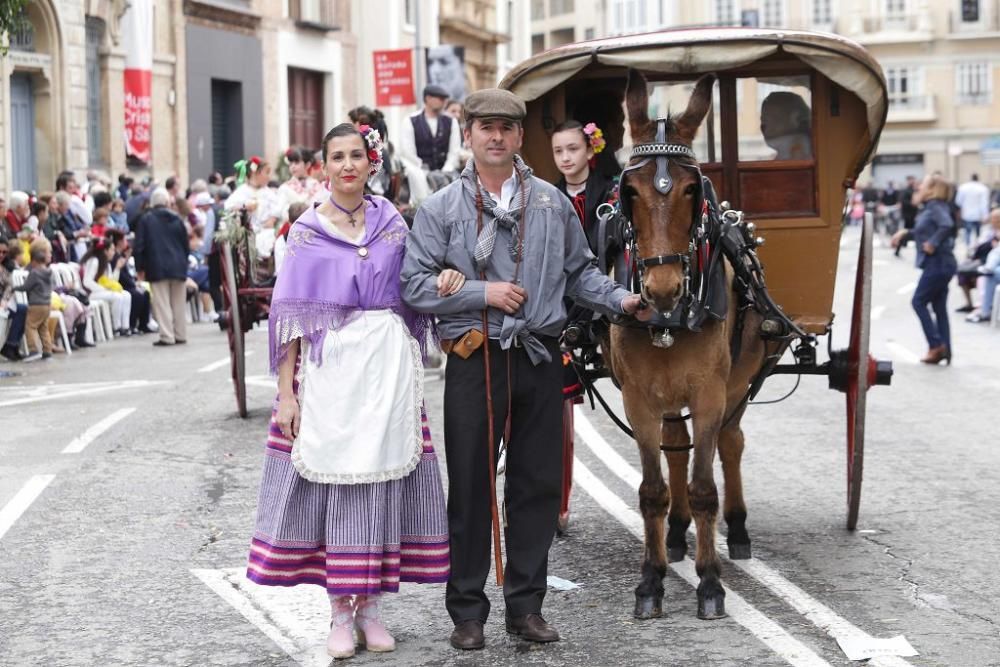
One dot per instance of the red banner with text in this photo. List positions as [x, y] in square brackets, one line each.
[137, 33]
[394, 77]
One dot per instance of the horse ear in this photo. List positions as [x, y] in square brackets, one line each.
[701, 99]
[637, 102]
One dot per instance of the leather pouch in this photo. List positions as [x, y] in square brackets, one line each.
[469, 343]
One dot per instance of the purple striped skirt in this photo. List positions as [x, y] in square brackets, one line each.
[352, 539]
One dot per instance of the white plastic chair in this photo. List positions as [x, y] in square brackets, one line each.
[64, 278]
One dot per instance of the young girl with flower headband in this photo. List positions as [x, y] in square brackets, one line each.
[574, 150]
[263, 203]
[351, 496]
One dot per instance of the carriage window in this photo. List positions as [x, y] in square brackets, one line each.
[672, 97]
[779, 125]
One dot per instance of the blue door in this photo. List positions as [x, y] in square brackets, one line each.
[22, 117]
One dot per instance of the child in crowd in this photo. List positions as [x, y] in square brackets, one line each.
[119, 219]
[100, 225]
[38, 287]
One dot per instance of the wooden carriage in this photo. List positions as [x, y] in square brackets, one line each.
[833, 99]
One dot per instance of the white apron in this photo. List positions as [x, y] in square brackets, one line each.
[360, 409]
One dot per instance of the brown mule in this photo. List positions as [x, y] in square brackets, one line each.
[696, 372]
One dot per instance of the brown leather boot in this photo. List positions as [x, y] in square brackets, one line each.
[532, 627]
[936, 355]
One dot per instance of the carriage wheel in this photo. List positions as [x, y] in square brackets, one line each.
[237, 355]
[861, 368]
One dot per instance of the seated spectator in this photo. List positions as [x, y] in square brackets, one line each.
[39, 216]
[139, 317]
[6, 231]
[72, 227]
[38, 288]
[198, 276]
[100, 279]
[19, 210]
[990, 272]
[15, 313]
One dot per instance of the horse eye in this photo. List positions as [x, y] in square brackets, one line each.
[690, 190]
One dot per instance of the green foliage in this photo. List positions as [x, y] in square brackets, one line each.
[12, 17]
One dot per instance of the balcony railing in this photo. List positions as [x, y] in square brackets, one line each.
[905, 107]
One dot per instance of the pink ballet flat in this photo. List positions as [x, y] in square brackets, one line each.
[371, 630]
[340, 642]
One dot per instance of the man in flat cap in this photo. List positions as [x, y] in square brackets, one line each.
[522, 250]
[429, 142]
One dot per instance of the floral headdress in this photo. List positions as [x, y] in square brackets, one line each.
[594, 137]
[373, 140]
[245, 168]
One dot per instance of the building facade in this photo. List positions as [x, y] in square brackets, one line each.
[62, 93]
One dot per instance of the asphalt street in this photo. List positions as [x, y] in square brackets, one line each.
[128, 486]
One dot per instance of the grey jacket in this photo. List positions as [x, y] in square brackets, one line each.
[556, 263]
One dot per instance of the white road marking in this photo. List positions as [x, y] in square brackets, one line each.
[215, 365]
[16, 506]
[877, 312]
[903, 353]
[908, 288]
[770, 633]
[78, 444]
[37, 394]
[820, 615]
[281, 622]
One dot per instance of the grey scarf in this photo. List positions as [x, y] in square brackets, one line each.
[508, 219]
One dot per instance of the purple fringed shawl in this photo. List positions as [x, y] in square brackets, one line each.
[326, 283]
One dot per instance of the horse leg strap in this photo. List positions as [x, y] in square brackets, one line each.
[676, 448]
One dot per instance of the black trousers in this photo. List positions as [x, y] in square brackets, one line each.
[533, 476]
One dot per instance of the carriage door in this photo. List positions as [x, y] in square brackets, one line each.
[22, 117]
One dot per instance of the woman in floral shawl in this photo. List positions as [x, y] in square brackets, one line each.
[351, 496]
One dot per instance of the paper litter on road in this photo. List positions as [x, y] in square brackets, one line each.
[560, 584]
[863, 648]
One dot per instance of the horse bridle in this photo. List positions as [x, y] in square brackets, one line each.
[662, 151]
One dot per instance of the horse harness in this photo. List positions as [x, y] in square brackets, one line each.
[715, 233]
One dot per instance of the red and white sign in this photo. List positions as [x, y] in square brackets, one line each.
[394, 78]
[137, 34]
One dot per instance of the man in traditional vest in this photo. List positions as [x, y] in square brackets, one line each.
[430, 138]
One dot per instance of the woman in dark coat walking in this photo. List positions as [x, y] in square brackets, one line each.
[934, 236]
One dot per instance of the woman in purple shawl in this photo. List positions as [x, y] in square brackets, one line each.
[351, 496]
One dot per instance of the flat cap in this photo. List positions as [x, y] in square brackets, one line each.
[495, 103]
[434, 90]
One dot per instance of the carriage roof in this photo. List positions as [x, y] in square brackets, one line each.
[696, 51]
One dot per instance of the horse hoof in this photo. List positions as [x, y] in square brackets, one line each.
[676, 554]
[712, 607]
[648, 607]
[739, 551]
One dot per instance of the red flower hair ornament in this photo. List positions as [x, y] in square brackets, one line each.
[373, 141]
